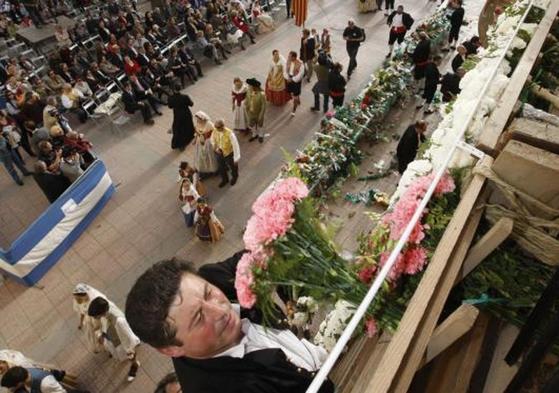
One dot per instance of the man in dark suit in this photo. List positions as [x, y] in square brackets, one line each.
[188, 58]
[101, 77]
[409, 144]
[133, 104]
[456, 19]
[143, 92]
[216, 348]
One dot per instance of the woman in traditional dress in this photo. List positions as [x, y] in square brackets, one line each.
[255, 106]
[366, 6]
[276, 92]
[265, 21]
[205, 160]
[183, 127]
[208, 227]
[238, 94]
[187, 195]
[82, 295]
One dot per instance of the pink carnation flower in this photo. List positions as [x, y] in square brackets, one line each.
[415, 259]
[273, 213]
[371, 327]
[366, 274]
[446, 185]
[244, 280]
[292, 188]
[397, 269]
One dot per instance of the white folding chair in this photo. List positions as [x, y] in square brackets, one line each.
[111, 109]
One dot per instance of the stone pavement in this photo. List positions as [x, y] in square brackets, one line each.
[142, 222]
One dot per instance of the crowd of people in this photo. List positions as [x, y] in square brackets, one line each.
[138, 53]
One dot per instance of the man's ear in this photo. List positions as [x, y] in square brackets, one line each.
[172, 351]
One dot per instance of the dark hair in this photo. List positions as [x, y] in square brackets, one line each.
[14, 376]
[293, 54]
[166, 380]
[184, 165]
[149, 300]
[98, 307]
[68, 151]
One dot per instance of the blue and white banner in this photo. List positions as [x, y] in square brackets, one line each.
[47, 239]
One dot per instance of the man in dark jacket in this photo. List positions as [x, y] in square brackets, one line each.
[450, 84]
[52, 185]
[217, 347]
[472, 45]
[143, 92]
[133, 104]
[307, 52]
[459, 58]
[409, 144]
[400, 22]
[456, 19]
[321, 87]
[336, 85]
[432, 79]
[420, 59]
[354, 36]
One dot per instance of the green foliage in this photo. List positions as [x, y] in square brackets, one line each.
[511, 281]
[535, 15]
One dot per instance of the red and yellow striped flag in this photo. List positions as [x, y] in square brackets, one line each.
[299, 9]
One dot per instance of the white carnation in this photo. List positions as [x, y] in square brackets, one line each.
[332, 327]
[300, 319]
[308, 303]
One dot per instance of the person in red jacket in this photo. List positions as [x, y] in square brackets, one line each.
[242, 25]
[131, 67]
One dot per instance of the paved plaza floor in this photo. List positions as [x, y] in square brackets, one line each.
[142, 223]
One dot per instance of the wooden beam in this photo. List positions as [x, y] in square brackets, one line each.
[450, 330]
[466, 370]
[407, 347]
[485, 246]
[498, 119]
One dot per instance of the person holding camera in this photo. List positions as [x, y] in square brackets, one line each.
[51, 184]
[321, 87]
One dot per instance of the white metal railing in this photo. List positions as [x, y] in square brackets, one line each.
[322, 374]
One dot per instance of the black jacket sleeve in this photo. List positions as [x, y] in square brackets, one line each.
[222, 274]
[457, 17]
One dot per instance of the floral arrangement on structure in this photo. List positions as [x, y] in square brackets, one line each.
[330, 155]
[289, 247]
[481, 67]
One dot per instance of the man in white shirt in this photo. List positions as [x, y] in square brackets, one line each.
[400, 22]
[216, 346]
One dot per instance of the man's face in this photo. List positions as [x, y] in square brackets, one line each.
[350, 23]
[205, 321]
[400, 10]
[173, 387]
